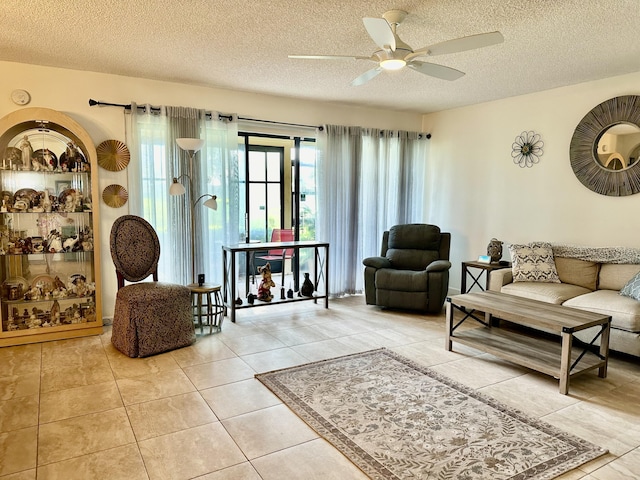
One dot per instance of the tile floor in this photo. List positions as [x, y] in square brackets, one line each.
[78, 409]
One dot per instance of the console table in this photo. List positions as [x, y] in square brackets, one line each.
[230, 290]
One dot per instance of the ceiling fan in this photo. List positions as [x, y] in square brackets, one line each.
[394, 54]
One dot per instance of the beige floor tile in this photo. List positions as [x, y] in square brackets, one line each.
[18, 413]
[75, 402]
[314, 460]
[69, 377]
[335, 329]
[274, 359]
[244, 471]
[81, 352]
[154, 386]
[18, 450]
[516, 392]
[168, 415]
[298, 335]
[206, 349]
[259, 342]
[125, 367]
[120, 463]
[477, 372]
[15, 386]
[238, 398]
[73, 437]
[217, 373]
[24, 475]
[268, 430]
[316, 351]
[190, 453]
[20, 360]
[627, 467]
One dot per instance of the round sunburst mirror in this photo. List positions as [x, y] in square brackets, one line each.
[605, 147]
[115, 195]
[113, 155]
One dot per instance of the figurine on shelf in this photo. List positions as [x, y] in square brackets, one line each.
[264, 289]
[306, 290]
[54, 242]
[27, 153]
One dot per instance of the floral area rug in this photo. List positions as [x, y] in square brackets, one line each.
[396, 419]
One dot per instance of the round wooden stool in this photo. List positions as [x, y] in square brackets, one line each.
[207, 306]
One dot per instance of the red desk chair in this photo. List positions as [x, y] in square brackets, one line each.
[279, 254]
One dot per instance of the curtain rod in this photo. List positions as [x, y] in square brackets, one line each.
[93, 102]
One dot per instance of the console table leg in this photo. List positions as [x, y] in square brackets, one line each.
[565, 362]
[448, 325]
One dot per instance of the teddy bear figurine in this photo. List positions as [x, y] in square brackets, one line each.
[264, 289]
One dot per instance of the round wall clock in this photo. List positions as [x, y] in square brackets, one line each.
[20, 97]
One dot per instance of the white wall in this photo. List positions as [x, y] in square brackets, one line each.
[476, 191]
[69, 91]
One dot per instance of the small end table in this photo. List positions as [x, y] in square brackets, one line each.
[485, 268]
[212, 310]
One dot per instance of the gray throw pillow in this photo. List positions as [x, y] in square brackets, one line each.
[632, 288]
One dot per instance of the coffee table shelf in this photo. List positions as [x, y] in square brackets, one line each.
[532, 352]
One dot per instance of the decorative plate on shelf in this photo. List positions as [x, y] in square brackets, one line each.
[26, 194]
[115, 195]
[113, 155]
[62, 198]
[46, 158]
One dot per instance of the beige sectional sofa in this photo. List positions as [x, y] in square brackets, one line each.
[588, 285]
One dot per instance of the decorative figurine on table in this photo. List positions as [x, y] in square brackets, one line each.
[264, 289]
[306, 290]
[494, 250]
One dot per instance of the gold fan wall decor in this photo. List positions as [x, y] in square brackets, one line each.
[115, 195]
[113, 155]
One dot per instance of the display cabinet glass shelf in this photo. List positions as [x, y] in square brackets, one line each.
[49, 261]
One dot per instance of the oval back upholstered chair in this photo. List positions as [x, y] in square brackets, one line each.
[412, 271]
[149, 317]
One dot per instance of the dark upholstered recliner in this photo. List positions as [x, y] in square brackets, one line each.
[412, 271]
[149, 317]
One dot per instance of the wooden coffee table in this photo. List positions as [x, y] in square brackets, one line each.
[537, 346]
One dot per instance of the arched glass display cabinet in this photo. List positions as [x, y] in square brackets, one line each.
[49, 261]
[605, 147]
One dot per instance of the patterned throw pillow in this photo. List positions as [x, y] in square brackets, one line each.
[533, 263]
[632, 288]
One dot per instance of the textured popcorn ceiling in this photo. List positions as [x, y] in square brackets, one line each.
[243, 45]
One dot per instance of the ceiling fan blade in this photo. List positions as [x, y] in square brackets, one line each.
[434, 70]
[366, 76]
[331, 57]
[461, 44]
[380, 32]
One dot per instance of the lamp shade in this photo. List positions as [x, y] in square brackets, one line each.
[212, 203]
[176, 188]
[190, 144]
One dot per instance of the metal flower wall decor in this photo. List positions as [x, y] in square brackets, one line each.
[527, 149]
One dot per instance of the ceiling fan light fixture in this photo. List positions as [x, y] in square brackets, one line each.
[393, 64]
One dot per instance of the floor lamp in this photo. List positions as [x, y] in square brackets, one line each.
[192, 146]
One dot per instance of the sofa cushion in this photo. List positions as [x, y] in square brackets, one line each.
[533, 263]
[545, 292]
[402, 280]
[614, 276]
[632, 288]
[577, 272]
[624, 311]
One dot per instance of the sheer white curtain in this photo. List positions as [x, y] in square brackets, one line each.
[156, 159]
[369, 180]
